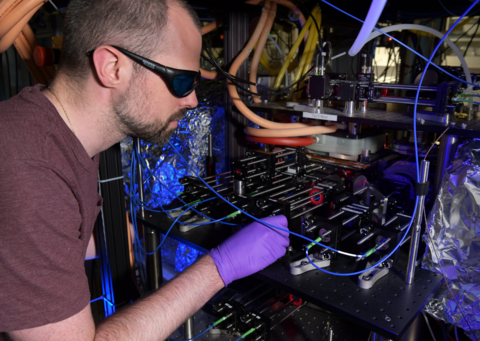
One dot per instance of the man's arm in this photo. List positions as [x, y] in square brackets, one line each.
[156, 317]
[153, 318]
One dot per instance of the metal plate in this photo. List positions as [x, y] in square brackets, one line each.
[384, 118]
[390, 298]
[305, 324]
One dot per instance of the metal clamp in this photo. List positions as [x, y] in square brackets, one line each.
[303, 265]
[192, 220]
[367, 279]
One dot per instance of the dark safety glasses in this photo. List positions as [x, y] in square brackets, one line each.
[181, 83]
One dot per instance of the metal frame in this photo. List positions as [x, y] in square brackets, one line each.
[236, 34]
[112, 235]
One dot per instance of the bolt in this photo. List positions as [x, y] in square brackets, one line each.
[452, 123]
[388, 318]
[464, 125]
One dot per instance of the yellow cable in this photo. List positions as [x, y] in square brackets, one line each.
[294, 48]
[309, 50]
[311, 55]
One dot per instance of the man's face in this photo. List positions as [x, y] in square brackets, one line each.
[147, 109]
[129, 107]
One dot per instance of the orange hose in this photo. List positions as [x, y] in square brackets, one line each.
[22, 10]
[211, 26]
[27, 57]
[6, 6]
[283, 141]
[23, 52]
[7, 40]
[33, 42]
[206, 29]
[233, 90]
[259, 49]
[285, 3]
[291, 132]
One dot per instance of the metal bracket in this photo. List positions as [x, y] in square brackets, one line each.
[367, 279]
[175, 214]
[303, 265]
[192, 220]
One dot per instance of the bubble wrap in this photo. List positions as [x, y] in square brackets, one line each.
[454, 228]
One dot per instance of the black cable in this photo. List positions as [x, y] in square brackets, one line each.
[234, 80]
[473, 36]
[455, 42]
[8, 75]
[2, 80]
[320, 47]
[16, 72]
[278, 35]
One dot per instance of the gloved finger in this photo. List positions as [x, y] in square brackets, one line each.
[277, 221]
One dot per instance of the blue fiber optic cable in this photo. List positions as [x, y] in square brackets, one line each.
[206, 330]
[416, 149]
[421, 81]
[404, 45]
[134, 215]
[144, 205]
[254, 218]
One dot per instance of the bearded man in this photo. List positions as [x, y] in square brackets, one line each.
[128, 67]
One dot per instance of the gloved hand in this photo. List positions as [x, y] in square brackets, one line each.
[251, 249]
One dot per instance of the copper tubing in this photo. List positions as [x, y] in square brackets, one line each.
[259, 50]
[282, 141]
[291, 132]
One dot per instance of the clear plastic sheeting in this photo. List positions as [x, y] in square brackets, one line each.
[454, 228]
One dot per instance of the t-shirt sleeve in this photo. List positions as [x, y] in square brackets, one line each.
[42, 274]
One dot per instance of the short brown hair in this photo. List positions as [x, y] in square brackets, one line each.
[131, 24]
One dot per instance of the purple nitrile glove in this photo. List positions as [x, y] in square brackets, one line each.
[251, 249]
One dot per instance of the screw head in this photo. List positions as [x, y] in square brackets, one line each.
[464, 125]
[388, 318]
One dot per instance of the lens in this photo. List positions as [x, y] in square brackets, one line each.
[184, 84]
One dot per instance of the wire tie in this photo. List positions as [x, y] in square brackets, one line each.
[111, 179]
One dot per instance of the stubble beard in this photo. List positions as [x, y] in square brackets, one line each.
[128, 107]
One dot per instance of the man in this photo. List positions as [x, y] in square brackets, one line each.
[50, 142]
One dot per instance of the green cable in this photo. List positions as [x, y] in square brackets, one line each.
[464, 100]
[468, 95]
[179, 193]
[222, 319]
[233, 214]
[247, 333]
[318, 240]
[370, 252]
[193, 202]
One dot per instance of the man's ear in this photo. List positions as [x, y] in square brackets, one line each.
[113, 68]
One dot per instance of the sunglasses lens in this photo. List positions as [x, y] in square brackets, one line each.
[184, 84]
